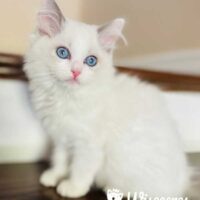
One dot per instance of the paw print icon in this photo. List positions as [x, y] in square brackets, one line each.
[114, 194]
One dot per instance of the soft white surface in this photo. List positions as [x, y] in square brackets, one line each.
[180, 61]
[21, 136]
[23, 140]
[185, 109]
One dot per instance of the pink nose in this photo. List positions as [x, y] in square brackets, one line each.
[75, 73]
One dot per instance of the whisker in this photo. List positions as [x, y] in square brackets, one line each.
[47, 75]
[43, 74]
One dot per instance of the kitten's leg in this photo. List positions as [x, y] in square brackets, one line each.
[58, 169]
[85, 164]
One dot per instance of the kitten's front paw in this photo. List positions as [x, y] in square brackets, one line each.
[51, 177]
[67, 189]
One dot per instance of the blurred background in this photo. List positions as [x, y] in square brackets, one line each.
[159, 29]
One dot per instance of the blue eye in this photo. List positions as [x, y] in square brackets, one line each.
[63, 53]
[91, 61]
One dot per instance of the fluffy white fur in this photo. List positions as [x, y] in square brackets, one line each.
[110, 130]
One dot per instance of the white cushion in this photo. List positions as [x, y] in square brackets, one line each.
[185, 109]
[21, 136]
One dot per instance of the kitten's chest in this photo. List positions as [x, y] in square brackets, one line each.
[69, 114]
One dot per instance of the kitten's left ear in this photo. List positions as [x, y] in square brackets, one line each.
[50, 18]
[110, 33]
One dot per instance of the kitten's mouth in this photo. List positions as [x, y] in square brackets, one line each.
[73, 81]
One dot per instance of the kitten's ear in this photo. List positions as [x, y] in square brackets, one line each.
[110, 33]
[50, 18]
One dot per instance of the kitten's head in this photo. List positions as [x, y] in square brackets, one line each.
[69, 51]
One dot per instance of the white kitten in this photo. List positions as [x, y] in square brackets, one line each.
[107, 129]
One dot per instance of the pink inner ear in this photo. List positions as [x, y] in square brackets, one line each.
[50, 18]
[48, 25]
[108, 40]
[110, 33]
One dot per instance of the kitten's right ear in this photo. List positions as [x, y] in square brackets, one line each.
[110, 33]
[50, 18]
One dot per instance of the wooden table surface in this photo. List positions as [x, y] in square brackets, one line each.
[20, 182]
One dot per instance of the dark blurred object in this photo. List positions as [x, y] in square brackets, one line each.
[11, 68]
[165, 80]
[21, 182]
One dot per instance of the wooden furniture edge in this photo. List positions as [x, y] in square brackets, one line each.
[11, 68]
